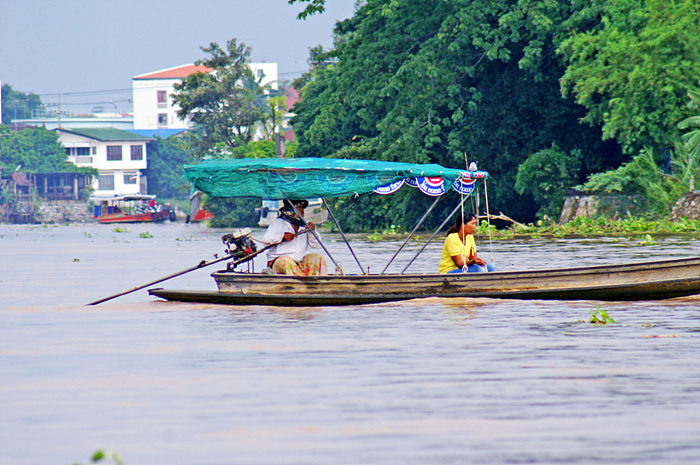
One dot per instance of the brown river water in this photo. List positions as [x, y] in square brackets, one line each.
[429, 381]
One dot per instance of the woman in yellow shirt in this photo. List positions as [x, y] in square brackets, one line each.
[459, 251]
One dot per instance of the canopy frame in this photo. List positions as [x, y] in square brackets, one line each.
[303, 178]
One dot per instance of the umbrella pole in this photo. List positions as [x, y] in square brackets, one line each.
[337, 225]
[318, 239]
[410, 235]
[435, 233]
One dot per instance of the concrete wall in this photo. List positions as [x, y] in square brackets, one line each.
[586, 205]
[687, 206]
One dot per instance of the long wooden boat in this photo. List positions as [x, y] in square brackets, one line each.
[305, 178]
[638, 281]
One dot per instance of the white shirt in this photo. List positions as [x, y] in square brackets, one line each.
[296, 248]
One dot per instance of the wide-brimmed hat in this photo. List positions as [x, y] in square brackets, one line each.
[287, 204]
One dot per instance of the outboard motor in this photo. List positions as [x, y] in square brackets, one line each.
[239, 244]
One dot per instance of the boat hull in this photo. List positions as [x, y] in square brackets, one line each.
[640, 281]
[145, 217]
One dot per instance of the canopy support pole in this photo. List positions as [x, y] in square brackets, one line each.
[340, 230]
[461, 203]
[410, 235]
[318, 239]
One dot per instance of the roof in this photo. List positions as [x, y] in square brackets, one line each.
[177, 72]
[106, 134]
[305, 178]
[162, 133]
[21, 178]
[292, 97]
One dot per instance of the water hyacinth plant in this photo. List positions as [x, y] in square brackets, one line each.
[600, 317]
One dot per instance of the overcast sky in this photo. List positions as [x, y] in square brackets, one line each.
[95, 47]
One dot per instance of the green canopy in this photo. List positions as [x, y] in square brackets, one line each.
[305, 178]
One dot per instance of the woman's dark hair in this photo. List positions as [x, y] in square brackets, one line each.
[458, 222]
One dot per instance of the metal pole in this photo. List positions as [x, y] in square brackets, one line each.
[410, 235]
[435, 233]
[337, 225]
[201, 264]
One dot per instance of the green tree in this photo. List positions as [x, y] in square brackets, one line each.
[232, 212]
[313, 7]
[166, 158]
[223, 104]
[275, 108]
[36, 150]
[423, 81]
[691, 138]
[18, 105]
[546, 175]
[629, 63]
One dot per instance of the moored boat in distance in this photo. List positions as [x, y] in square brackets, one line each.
[197, 213]
[131, 208]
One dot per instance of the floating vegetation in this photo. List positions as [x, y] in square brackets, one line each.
[588, 227]
[600, 317]
[76, 259]
[185, 238]
[648, 240]
[107, 456]
[374, 237]
[145, 235]
[87, 234]
[119, 229]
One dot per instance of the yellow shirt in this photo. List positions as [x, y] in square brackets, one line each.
[453, 246]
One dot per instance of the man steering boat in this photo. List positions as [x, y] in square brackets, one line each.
[290, 254]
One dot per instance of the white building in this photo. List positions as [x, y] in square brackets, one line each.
[152, 94]
[118, 155]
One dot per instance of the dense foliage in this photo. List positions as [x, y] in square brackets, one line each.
[224, 104]
[424, 81]
[501, 83]
[547, 175]
[18, 105]
[232, 212]
[166, 157]
[35, 150]
[691, 138]
[630, 63]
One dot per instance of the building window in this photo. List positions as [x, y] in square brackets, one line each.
[94, 150]
[114, 153]
[162, 99]
[137, 152]
[105, 182]
[162, 120]
[131, 178]
[82, 151]
[69, 151]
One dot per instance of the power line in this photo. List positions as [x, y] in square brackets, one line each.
[85, 93]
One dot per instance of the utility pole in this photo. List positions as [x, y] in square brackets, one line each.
[59, 108]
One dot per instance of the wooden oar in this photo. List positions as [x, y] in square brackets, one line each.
[201, 264]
